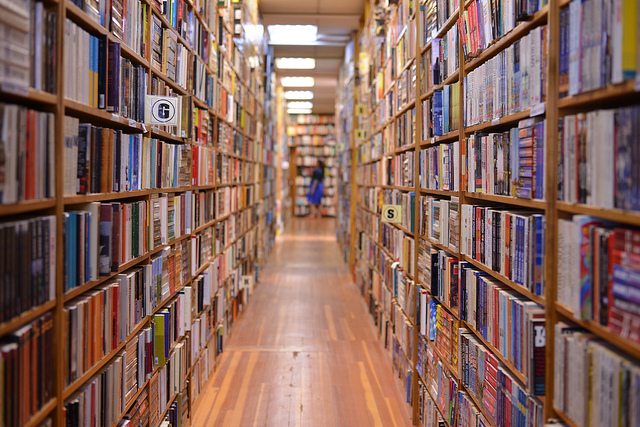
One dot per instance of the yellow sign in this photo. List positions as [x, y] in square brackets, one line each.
[392, 213]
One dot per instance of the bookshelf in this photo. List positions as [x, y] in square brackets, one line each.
[344, 112]
[311, 138]
[469, 111]
[202, 222]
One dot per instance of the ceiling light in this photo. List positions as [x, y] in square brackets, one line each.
[298, 95]
[292, 34]
[299, 111]
[300, 104]
[295, 63]
[297, 81]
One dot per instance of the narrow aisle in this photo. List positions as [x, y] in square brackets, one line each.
[304, 353]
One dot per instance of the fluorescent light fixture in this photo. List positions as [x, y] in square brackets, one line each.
[292, 34]
[299, 111]
[300, 105]
[298, 95]
[297, 81]
[295, 63]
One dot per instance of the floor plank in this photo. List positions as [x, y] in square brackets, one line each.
[305, 352]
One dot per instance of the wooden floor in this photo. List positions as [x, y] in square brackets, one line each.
[304, 353]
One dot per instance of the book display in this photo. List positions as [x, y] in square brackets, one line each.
[312, 138]
[346, 154]
[134, 246]
[505, 289]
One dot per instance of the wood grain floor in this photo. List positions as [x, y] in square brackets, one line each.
[304, 353]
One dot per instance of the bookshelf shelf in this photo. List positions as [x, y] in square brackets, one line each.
[101, 117]
[448, 23]
[453, 78]
[505, 280]
[564, 418]
[26, 206]
[43, 413]
[103, 197]
[31, 96]
[77, 15]
[447, 193]
[617, 215]
[508, 200]
[597, 97]
[26, 317]
[500, 122]
[627, 346]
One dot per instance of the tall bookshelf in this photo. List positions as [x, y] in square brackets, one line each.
[420, 277]
[311, 139]
[201, 259]
[344, 138]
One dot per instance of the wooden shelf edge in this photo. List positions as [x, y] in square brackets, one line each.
[26, 317]
[617, 215]
[26, 206]
[505, 281]
[502, 121]
[43, 413]
[508, 200]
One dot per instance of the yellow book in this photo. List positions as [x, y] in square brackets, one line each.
[629, 37]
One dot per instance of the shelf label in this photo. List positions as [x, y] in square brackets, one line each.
[392, 213]
[537, 110]
[360, 110]
[359, 134]
[162, 110]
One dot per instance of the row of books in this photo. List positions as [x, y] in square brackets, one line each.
[598, 174]
[509, 163]
[84, 60]
[439, 221]
[510, 82]
[310, 130]
[25, 369]
[585, 62]
[434, 14]
[130, 23]
[27, 161]
[504, 400]
[510, 243]
[439, 273]
[401, 246]
[485, 21]
[513, 325]
[29, 268]
[444, 110]
[126, 86]
[439, 167]
[586, 367]
[405, 90]
[601, 282]
[31, 59]
[398, 169]
[444, 57]
[404, 127]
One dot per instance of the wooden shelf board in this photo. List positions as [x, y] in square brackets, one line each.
[28, 96]
[453, 18]
[593, 98]
[502, 121]
[100, 116]
[27, 206]
[42, 414]
[447, 193]
[103, 197]
[624, 345]
[26, 317]
[508, 200]
[505, 280]
[617, 215]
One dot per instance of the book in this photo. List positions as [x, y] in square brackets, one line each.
[439, 167]
[25, 355]
[30, 277]
[28, 163]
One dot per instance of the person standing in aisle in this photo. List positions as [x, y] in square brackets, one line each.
[316, 190]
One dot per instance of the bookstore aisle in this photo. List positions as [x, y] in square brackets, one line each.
[304, 353]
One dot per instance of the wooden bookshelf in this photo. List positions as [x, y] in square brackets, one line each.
[374, 118]
[256, 158]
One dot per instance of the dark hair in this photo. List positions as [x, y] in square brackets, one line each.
[320, 164]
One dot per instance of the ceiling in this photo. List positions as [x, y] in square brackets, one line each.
[336, 21]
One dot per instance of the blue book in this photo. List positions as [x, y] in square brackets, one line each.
[539, 163]
[538, 282]
[437, 112]
[626, 284]
[445, 109]
[73, 240]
